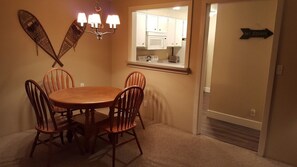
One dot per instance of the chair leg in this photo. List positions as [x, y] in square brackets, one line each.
[50, 149]
[114, 136]
[94, 144]
[137, 141]
[138, 114]
[77, 142]
[62, 137]
[34, 144]
[69, 136]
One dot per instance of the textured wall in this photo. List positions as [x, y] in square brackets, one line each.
[89, 63]
[172, 94]
[241, 67]
[169, 97]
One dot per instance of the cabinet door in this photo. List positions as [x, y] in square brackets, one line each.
[140, 30]
[152, 23]
[185, 26]
[162, 24]
[178, 32]
[171, 32]
[174, 32]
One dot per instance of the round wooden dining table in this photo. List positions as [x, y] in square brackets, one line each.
[84, 98]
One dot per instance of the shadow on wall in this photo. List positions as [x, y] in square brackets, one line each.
[155, 106]
[27, 118]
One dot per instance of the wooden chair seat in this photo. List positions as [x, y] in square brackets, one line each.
[61, 125]
[59, 109]
[63, 111]
[104, 126]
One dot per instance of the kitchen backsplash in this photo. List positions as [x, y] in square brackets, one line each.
[162, 54]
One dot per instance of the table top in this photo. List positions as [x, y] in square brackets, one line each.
[84, 97]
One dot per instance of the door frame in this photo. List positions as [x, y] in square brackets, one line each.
[199, 86]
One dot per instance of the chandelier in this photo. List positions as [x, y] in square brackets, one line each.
[94, 20]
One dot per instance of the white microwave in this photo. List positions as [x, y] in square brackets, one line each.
[156, 41]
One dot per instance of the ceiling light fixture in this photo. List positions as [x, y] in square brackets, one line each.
[95, 22]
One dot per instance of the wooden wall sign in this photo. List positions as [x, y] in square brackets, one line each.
[249, 33]
[36, 32]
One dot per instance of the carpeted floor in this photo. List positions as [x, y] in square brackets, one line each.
[162, 145]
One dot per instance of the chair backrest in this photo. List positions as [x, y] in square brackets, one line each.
[41, 105]
[135, 78]
[57, 79]
[124, 108]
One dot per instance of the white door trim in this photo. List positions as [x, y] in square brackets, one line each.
[273, 61]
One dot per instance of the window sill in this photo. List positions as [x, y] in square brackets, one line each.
[165, 67]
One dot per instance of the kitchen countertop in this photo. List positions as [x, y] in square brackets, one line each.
[165, 63]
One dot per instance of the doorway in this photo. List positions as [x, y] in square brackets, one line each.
[238, 73]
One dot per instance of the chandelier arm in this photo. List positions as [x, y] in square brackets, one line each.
[109, 32]
[99, 34]
[91, 32]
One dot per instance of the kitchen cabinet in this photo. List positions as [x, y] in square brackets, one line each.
[174, 32]
[156, 23]
[140, 29]
[178, 32]
[185, 23]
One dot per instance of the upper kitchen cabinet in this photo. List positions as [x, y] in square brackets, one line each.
[159, 36]
[156, 23]
[185, 29]
[174, 32]
[140, 29]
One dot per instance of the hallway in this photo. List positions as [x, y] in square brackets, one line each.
[227, 132]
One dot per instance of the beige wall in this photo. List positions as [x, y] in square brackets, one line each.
[169, 96]
[90, 63]
[172, 94]
[241, 67]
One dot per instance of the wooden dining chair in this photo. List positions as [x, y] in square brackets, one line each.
[57, 79]
[47, 122]
[136, 78]
[122, 118]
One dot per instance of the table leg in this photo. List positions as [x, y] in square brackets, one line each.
[87, 130]
[90, 129]
[69, 136]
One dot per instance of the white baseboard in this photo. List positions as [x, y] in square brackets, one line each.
[207, 89]
[234, 119]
